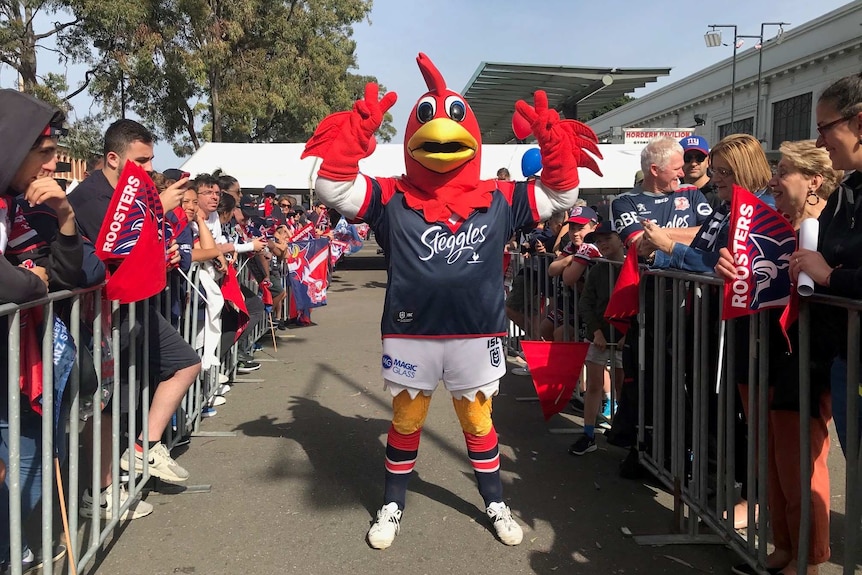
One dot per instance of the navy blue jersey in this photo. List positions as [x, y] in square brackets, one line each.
[444, 283]
[685, 208]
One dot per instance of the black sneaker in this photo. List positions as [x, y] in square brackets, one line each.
[583, 445]
[247, 366]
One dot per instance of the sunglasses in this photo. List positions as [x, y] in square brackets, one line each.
[826, 127]
[283, 205]
[693, 157]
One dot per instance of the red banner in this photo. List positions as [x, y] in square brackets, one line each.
[555, 367]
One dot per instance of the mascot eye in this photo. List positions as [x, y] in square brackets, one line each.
[455, 108]
[426, 109]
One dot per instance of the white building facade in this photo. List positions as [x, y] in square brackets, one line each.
[792, 73]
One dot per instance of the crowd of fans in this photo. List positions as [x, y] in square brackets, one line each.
[676, 217]
[47, 237]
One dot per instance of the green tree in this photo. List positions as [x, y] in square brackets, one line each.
[20, 41]
[231, 70]
[85, 138]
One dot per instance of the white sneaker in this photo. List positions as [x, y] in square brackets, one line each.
[222, 378]
[136, 510]
[386, 526]
[507, 528]
[223, 389]
[218, 400]
[161, 464]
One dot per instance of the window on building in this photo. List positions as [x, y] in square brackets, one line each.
[743, 126]
[791, 120]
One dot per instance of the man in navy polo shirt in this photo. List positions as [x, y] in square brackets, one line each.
[681, 210]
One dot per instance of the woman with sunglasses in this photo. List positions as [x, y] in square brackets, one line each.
[803, 180]
[836, 266]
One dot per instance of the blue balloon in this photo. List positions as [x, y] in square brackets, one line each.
[531, 162]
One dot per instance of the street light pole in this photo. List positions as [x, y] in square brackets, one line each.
[732, 70]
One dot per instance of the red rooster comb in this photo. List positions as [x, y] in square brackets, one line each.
[433, 78]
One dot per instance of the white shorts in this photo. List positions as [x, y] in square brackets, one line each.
[465, 365]
[595, 355]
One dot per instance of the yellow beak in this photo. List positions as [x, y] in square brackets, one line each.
[442, 145]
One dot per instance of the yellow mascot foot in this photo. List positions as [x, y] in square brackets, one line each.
[386, 526]
[507, 528]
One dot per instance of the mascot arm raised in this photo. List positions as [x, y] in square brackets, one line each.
[341, 140]
[564, 145]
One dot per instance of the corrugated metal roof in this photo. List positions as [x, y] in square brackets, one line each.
[495, 87]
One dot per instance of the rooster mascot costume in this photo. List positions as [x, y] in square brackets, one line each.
[443, 230]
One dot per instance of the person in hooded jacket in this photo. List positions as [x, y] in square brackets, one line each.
[41, 252]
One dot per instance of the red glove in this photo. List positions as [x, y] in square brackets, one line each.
[344, 138]
[562, 143]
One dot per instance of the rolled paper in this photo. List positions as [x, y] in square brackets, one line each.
[808, 233]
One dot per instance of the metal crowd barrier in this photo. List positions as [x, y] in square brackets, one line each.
[82, 438]
[83, 538]
[687, 416]
[687, 432]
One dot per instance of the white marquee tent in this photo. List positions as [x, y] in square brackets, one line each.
[256, 165]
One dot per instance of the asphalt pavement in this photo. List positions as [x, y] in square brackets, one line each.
[297, 476]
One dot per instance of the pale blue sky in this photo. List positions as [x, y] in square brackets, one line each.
[459, 34]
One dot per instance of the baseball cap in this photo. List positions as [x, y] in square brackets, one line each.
[582, 215]
[639, 177]
[606, 227]
[692, 142]
[175, 174]
[248, 205]
[270, 190]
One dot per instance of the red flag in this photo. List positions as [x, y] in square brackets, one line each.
[789, 316]
[265, 294]
[761, 241]
[625, 299]
[131, 237]
[233, 297]
[555, 367]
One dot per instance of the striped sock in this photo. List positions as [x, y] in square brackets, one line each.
[484, 455]
[401, 451]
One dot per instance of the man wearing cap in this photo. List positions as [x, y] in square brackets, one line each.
[695, 155]
[267, 203]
